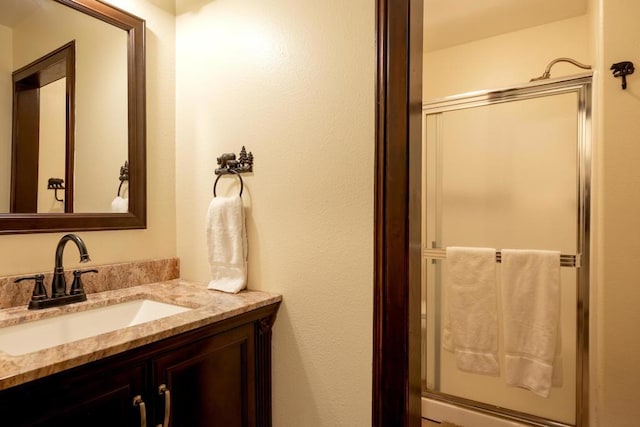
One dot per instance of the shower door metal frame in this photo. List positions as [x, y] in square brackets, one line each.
[581, 85]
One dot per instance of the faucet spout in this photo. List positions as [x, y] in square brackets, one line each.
[59, 283]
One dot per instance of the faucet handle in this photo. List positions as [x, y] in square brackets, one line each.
[76, 286]
[39, 291]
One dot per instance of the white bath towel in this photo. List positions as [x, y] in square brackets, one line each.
[120, 204]
[471, 318]
[531, 311]
[227, 244]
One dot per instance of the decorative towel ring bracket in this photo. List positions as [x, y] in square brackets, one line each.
[56, 184]
[124, 175]
[229, 164]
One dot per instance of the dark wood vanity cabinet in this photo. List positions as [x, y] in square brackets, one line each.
[211, 382]
[214, 376]
[98, 398]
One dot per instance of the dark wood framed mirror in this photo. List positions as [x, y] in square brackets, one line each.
[131, 30]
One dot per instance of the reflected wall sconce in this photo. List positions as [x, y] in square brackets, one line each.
[623, 69]
[56, 184]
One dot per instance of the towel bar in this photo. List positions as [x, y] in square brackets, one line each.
[565, 259]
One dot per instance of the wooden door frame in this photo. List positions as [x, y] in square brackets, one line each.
[396, 322]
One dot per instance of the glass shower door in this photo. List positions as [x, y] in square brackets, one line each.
[502, 175]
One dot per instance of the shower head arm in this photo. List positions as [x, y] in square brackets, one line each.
[547, 71]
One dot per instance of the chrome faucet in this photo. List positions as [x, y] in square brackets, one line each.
[59, 295]
[59, 283]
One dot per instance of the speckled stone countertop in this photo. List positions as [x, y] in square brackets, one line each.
[207, 307]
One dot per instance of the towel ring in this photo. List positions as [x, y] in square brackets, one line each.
[233, 172]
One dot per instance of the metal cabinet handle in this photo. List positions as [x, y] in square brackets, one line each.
[137, 401]
[167, 404]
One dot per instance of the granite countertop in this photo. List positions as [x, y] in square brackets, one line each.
[207, 307]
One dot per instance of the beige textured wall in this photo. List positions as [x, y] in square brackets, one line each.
[34, 252]
[293, 80]
[617, 375]
[500, 61]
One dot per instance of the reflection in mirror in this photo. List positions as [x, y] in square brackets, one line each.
[100, 127]
[83, 128]
[53, 145]
[42, 143]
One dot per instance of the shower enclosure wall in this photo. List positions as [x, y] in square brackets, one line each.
[509, 169]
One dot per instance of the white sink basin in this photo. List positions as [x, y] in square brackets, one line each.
[40, 334]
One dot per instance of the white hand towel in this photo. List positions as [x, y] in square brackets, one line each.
[531, 309]
[120, 204]
[227, 244]
[471, 318]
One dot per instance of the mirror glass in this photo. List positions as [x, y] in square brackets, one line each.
[31, 29]
[71, 123]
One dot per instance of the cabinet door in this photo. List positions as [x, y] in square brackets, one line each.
[211, 382]
[86, 397]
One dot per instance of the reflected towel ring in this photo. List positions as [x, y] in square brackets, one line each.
[124, 175]
[233, 172]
